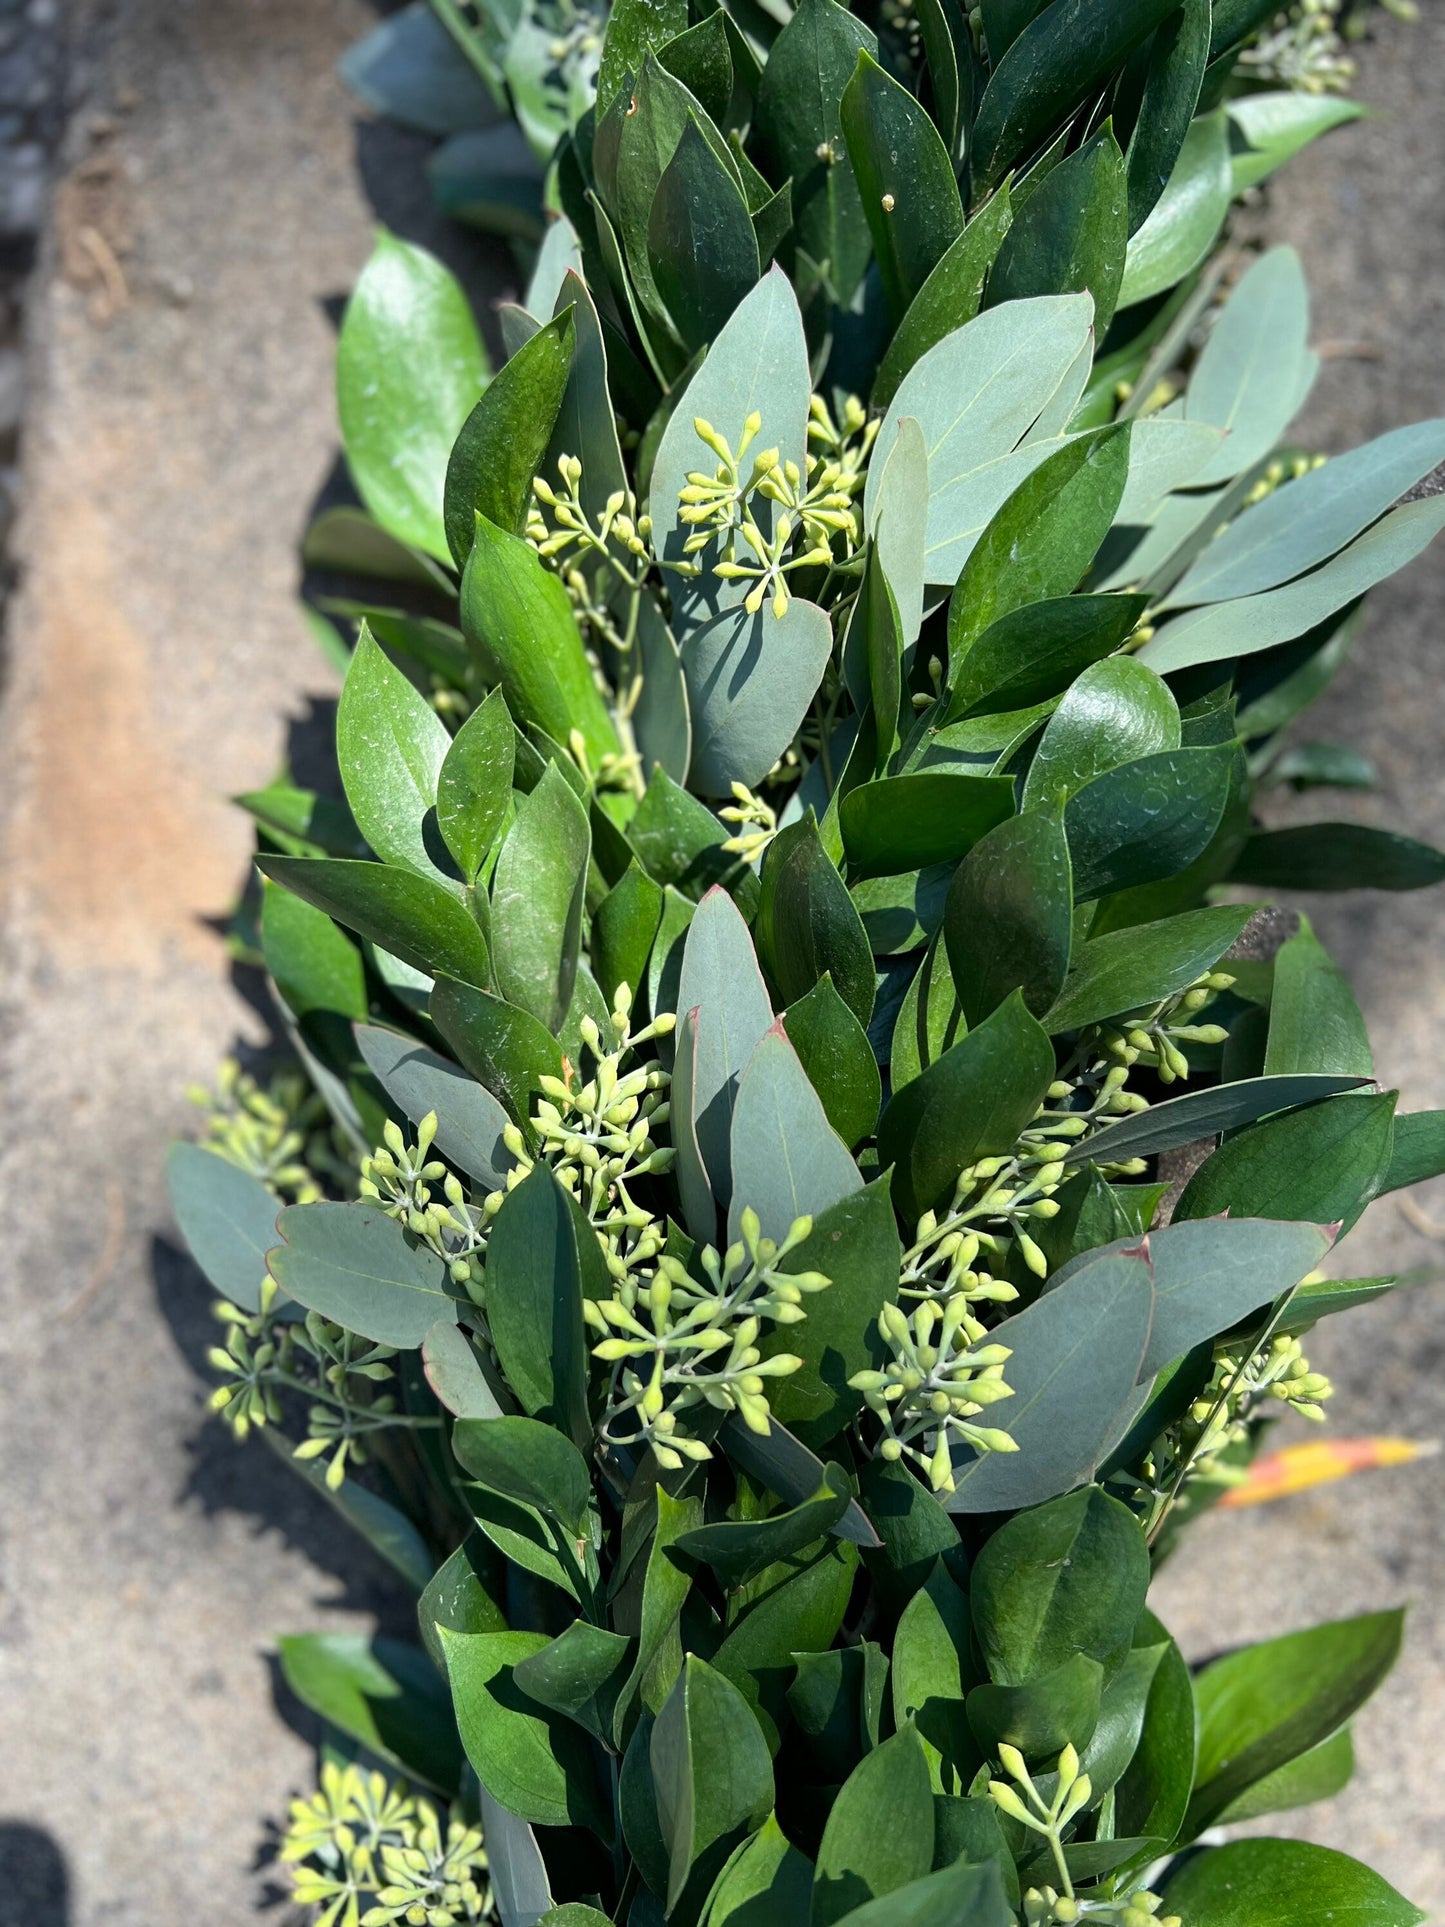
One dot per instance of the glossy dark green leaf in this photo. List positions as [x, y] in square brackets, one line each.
[1114, 713]
[1317, 1775]
[474, 784]
[914, 1530]
[1146, 820]
[1324, 1164]
[1284, 1883]
[808, 67]
[1009, 916]
[930, 1018]
[1314, 1021]
[1043, 1715]
[971, 1103]
[356, 1266]
[905, 178]
[323, 822]
[529, 1462]
[1064, 1578]
[383, 1693]
[1184, 222]
[652, 128]
[943, 1899]
[879, 1832]
[635, 28]
[579, 1674]
[1263, 1706]
[1121, 1716]
[623, 932]
[855, 1245]
[1069, 237]
[929, 1678]
[700, 241]
[537, 901]
[504, 439]
[504, 1048]
[950, 296]
[905, 823]
[1326, 1295]
[1125, 970]
[390, 744]
[518, 619]
[1076, 1355]
[535, 1762]
[1036, 651]
[807, 924]
[470, 1121]
[785, 1466]
[738, 1550]
[465, 1593]
[1418, 1151]
[767, 1880]
[701, 58]
[1338, 856]
[833, 1049]
[414, 917]
[679, 841]
[1044, 537]
[721, 980]
[534, 1303]
[1152, 1794]
[1203, 1113]
[1004, 21]
[1178, 57]
[787, 1161]
[712, 1773]
[1052, 65]
[801, 1612]
[227, 1218]
[409, 367]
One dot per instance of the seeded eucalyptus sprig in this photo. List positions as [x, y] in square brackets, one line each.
[803, 716]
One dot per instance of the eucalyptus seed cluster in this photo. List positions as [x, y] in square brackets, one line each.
[935, 1385]
[677, 1340]
[366, 1852]
[599, 1136]
[277, 1134]
[808, 512]
[1239, 1386]
[265, 1355]
[402, 1178]
[1050, 1814]
[1301, 49]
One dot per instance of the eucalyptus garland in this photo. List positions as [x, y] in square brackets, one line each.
[803, 723]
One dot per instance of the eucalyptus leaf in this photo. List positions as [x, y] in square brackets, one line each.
[227, 1218]
[358, 1267]
[470, 1121]
[787, 1160]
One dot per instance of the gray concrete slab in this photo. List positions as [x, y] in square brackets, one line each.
[181, 425]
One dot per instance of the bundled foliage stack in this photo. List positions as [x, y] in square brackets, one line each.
[804, 711]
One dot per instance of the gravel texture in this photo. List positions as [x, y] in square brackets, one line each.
[215, 197]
